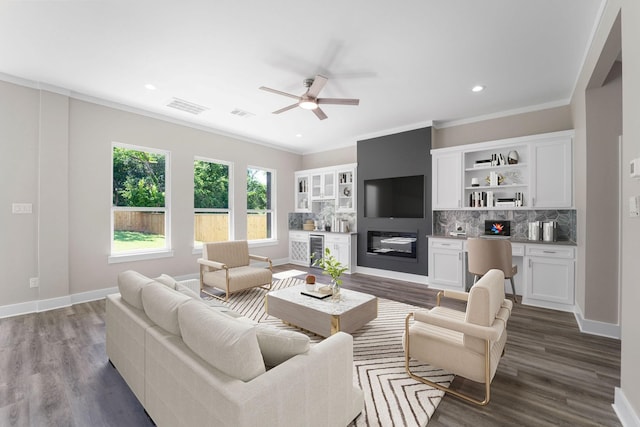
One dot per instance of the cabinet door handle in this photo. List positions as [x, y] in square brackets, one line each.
[529, 262]
[459, 256]
[549, 252]
[533, 201]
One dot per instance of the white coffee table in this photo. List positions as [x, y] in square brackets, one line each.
[323, 317]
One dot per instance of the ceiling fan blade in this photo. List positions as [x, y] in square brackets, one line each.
[338, 101]
[287, 108]
[318, 112]
[278, 92]
[317, 85]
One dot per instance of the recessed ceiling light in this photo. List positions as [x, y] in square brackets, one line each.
[477, 88]
[298, 135]
[149, 86]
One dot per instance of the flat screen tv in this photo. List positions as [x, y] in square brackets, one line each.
[400, 197]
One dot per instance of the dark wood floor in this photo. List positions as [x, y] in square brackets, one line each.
[54, 370]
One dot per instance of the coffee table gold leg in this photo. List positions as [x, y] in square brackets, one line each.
[335, 324]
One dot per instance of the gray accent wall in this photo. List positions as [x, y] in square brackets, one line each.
[401, 154]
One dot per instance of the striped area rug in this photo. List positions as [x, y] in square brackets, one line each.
[391, 397]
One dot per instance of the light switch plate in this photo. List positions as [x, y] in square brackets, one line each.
[22, 208]
[634, 206]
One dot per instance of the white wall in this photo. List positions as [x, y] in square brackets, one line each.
[56, 154]
[631, 237]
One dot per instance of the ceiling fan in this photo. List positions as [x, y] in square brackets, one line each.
[309, 100]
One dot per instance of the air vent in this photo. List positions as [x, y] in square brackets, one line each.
[189, 107]
[241, 113]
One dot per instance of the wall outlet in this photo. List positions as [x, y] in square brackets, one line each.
[34, 282]
[460, 227]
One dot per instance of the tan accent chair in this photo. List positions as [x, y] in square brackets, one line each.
[485, 254]
[226, 266]
[469, 343]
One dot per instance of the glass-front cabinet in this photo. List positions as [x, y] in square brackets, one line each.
[302, 193]
[346, 190]
[323, 185]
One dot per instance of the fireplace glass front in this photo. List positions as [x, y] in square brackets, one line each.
[392, 243]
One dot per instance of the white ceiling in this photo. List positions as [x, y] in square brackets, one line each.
[410, 62]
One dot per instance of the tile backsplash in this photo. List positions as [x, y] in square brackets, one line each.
[444, 222]
[296, 219]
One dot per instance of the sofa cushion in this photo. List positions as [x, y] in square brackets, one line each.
[167, 280]
[161, 305]
[186, 291]
[130, 284]
[223, 342]
[278, 345]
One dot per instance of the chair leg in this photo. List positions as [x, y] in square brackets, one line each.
[513, 289]
[465, 397]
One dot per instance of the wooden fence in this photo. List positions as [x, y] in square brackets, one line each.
[208, 227]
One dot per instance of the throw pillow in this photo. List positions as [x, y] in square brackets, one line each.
[223, 342]
[166, 280]
[161, 305]
[279, 345]
[186, 291]
[130, 284]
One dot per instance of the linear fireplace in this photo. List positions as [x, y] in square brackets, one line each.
[392, 243]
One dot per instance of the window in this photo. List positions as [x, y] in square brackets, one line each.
[211, 201]
[139, 209]
[260, 203]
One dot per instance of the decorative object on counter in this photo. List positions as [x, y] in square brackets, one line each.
[513, 157]
[346, 191]
[550, 231]
[344, 225]
[474, 182]
[308, 225]
[310, 282]
[534, 230]
[331, 267]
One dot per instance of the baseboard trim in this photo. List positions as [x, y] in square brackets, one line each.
[595, 327]
[38, 306]
[624, 410]
[407, 277]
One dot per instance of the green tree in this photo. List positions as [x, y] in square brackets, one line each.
[211, 185]
[257, 181]
[138, 178]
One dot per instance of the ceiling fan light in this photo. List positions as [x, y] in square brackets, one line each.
[308, 104]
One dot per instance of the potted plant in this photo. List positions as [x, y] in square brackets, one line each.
[331, 267]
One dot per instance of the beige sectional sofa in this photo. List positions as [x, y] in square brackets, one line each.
[191, 362]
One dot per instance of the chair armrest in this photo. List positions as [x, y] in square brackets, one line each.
[491, 333]
[507, 304]
[212, 264]
[260, 258]
[462, 296]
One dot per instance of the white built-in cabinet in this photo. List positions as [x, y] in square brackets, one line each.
[446, 264]
[552, 182]
[333, 184]
[550, 276]
[342, 246]
[299, 252]
[546, 277]
[302, 200]
[446, 175]
[541, 176]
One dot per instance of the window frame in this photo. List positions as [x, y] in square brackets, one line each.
[272, 211]
[150, 253]
[197, 247]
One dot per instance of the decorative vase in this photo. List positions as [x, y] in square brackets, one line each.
[335, 291]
